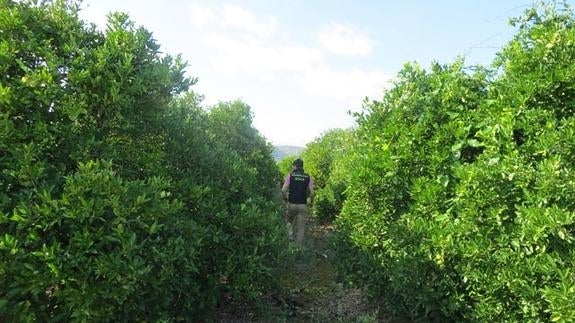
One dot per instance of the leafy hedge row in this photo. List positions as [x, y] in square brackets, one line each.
[325, 161]
[460, 205]
[121, 198]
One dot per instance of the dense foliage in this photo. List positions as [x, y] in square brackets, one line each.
[460, 205]
[324, 160]
[121, 198]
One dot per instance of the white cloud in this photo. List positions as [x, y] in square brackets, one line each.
[201, 15]
[242, 57]
[351, 86]
[243, 42]
[232, 19]
[344, 40]
[279, 76]
[244, 20]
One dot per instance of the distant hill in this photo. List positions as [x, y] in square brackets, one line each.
[283, 151]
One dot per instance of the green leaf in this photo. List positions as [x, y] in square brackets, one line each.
[474, 143]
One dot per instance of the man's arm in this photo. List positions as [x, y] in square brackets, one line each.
[310, 190]
[285, 188]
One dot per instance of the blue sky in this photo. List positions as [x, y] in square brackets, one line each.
[302, 65]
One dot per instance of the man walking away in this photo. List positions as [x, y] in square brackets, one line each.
[297, 188]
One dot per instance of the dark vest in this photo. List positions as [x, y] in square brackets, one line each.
[298, 183]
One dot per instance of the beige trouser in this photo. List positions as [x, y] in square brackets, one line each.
[297, 213]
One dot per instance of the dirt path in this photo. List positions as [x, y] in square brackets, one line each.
[310, 290]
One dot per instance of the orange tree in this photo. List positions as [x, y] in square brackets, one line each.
[322, 157]
[460, 201]
[116, 200]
